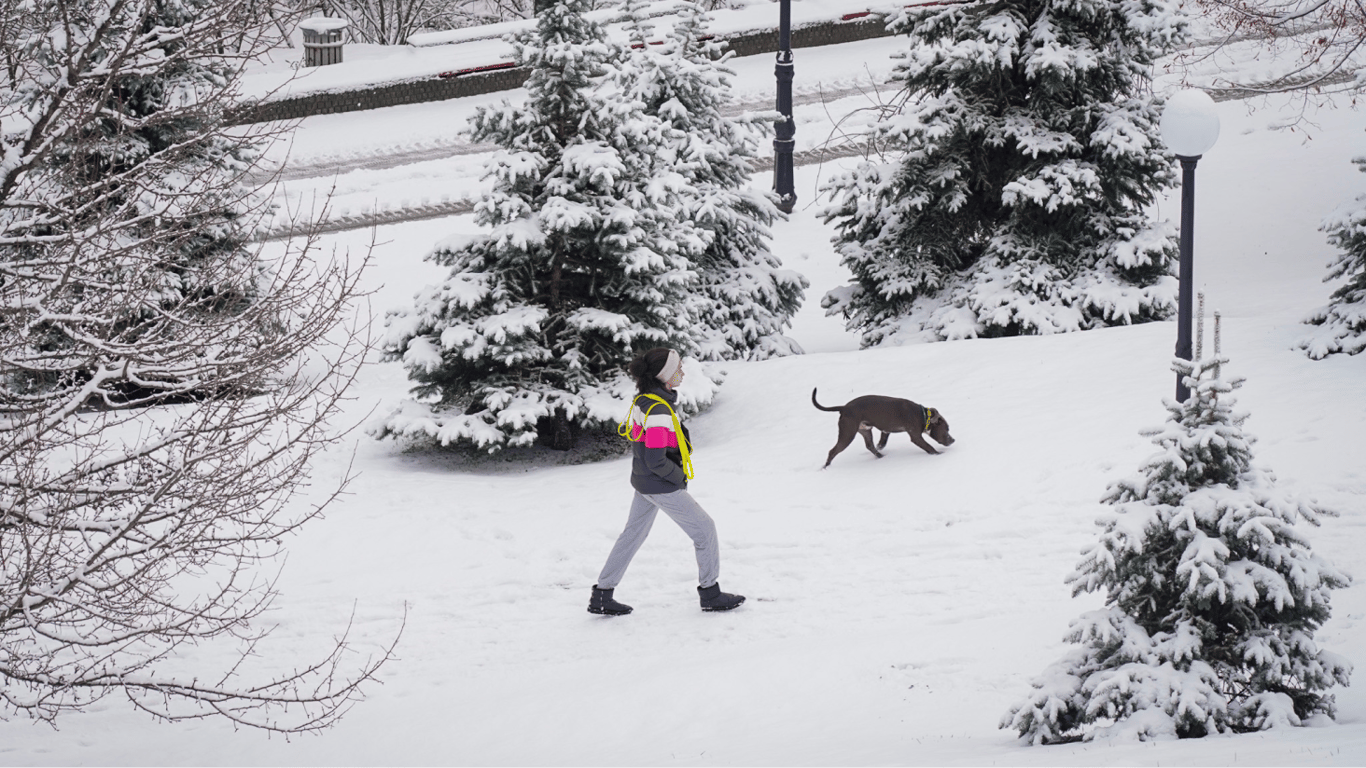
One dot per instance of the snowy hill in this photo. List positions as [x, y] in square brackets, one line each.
[897, 607]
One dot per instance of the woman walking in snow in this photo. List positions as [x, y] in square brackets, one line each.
[660, 453]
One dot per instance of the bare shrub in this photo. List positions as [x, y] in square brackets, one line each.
[165, 385]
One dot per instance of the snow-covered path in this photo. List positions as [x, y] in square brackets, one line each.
[897, 607]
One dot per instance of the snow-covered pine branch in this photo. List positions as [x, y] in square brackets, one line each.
[1341, 325]
[1012, 198]
[1212, 595]
[744, 298]
[618, 221]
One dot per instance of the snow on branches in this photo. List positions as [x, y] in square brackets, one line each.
[1012, 197]
[743, 298]
[1212, 595]
[165, 386]
[1313, 49]
[619, 220]
[1341, 325]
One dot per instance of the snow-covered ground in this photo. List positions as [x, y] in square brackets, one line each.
[897, 607]
[411, 156]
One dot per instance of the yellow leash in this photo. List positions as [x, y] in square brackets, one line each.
[624, 429]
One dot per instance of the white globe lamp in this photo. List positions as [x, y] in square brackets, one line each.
[1190, 123]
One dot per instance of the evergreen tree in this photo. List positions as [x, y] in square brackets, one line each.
[151, 167]
[142, 121]
[1212, 595]
[1028, 151]
[584, 265]
[744, 297]
[1341, 326]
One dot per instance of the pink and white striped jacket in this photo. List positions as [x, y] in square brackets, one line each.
[657, 460]
[652, 423]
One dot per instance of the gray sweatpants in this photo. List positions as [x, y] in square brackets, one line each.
[690, 517]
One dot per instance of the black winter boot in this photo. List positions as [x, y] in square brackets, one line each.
[602, 602]
[713, 599]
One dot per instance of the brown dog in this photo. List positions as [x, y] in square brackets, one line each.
[889, 414]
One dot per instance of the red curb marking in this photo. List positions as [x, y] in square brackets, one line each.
[473, 70]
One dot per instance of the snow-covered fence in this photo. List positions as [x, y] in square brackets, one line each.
[502, 76]
[411, 91]
[833, 32]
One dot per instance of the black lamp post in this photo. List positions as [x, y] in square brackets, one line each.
[1183, 301]
[787, 129]
[1190, 126]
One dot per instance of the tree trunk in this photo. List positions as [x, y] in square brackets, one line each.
[556, 432]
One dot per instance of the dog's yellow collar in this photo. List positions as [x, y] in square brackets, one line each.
[929, 413]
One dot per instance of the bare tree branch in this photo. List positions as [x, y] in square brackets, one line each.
[1316, 47]
[165, 386]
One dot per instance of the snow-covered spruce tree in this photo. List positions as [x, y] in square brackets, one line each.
[585, 262]
[164, 390]
[1212, 595]
[150, 162]
[1341, 326]
[745, 298]
[1011, 198]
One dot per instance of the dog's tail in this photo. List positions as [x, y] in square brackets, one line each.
[818, 405]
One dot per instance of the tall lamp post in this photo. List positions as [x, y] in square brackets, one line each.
[787, 129]
[1190, 126]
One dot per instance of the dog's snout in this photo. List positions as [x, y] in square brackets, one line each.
[940, 433]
